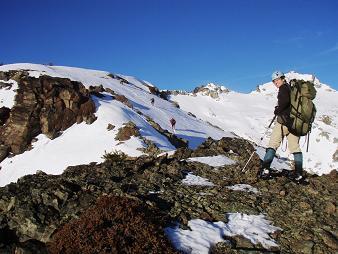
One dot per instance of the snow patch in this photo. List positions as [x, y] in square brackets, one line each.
[205, 234]
[168, 153]
[192, 179]
[7, 96]
[213, 161]
[278, 163]
[243, 187]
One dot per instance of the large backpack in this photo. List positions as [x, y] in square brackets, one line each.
[303, 110]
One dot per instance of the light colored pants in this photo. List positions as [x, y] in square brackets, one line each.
[276, 138]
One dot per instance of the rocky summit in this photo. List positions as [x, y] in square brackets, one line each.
[43, 213]
[45, 105]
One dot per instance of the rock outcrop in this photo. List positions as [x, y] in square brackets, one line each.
[127, 131]
[119, 97]
[34, 210]
[4, 115]
[211, 90]
[45, 105]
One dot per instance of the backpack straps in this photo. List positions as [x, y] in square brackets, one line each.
[286, 142]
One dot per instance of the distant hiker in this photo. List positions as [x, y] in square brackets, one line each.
[280, 130]
[152, 101]
[123, 81]
[173, 123]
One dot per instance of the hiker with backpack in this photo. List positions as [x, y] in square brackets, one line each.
[293, 121]
[173, 123]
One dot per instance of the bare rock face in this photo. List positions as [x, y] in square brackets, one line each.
[128, 130]
[96, 90]
[335, 156]
[211, 90]
[154, 90]
[45, 105]
[5, 85]
[119, 97]
[110, 127]
[124, 100]
[3, 152]
[4, 115]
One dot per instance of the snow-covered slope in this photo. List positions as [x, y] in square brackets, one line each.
[83, 143]
[248, 115]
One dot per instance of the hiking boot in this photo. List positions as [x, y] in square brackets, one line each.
[265, 174]
[297, 175]
[298, 179]
[268, 157]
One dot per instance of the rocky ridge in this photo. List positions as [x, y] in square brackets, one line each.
[38, 206]
[49, 105]
[211, 89]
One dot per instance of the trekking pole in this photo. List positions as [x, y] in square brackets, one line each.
[246, 164]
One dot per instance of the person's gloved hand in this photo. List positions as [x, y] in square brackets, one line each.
[276, 112]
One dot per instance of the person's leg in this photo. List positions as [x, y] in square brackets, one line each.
[293, 142]
[276, 138]
[298, 156]
[268, 158]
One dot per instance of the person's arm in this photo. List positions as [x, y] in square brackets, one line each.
[283, 99]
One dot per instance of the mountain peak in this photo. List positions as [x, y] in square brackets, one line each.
[269, 89]
[211, 89]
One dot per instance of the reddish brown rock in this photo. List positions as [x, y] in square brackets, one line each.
[4, 115]
[127, 131]
[124, 100]
[45, 105]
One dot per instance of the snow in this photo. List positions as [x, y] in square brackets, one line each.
[168, 153]
[243, 187]
[204, 234]
[192, 179]
[248, 116]
[81, 143]
[214, 88]
[253, 227]
[278, 163]
[188, 127]
[213, 161]
[7, 95]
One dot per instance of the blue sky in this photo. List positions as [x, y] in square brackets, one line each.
[177, 44]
